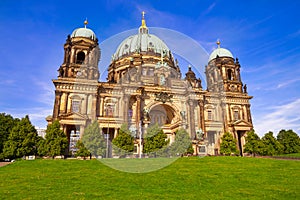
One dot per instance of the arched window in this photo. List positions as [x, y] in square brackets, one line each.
[76, 103]
[229, 74]
[209, 115]
[150, 71]
[80, 57]
[109, 110]
[236, 115]
[75, 106]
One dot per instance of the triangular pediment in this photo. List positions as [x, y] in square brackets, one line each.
[241, 123]
[73, 116]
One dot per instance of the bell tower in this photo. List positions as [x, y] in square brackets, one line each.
[76, 87]
[81, 55]
[225, 86]
[223, 72]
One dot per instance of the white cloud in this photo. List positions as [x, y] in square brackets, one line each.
[209, 9]
[288, 82]
[37, 115]
[46, 91]
[286, 116]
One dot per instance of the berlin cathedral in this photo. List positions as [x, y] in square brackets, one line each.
[145, 86]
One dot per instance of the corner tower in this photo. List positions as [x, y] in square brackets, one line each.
[224, 81]
[81, 56]
[76, 86]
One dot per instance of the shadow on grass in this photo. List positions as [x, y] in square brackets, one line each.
[134, 165]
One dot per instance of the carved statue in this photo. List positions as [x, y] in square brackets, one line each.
[146, 113]
[162, 80]
[199, 85]
[245, 88]
[61, 72]
[200, 134]
[68, 40]
[182, 113]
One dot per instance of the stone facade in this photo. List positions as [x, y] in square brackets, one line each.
[145, 86]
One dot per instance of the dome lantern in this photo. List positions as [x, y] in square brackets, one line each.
[143, 28]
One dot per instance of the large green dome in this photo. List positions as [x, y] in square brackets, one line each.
[142, 42]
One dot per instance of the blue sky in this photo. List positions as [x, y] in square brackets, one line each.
[264, 35]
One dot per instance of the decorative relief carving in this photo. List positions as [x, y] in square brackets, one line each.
[163, 97]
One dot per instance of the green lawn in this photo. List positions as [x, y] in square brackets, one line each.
[186, 178]
[294, 155]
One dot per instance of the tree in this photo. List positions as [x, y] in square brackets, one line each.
[7, 122]
[253, 143]
[93, 140]
[190, 150]
[124, 142]
[82, 151]
[41, 146]
[22, 140]
[56, 141]
[182, 144]
[290, 141]
[155, 140]
[270, 145]
[228, 145]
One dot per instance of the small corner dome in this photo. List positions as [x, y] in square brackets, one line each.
[220, 52]
[84, 32]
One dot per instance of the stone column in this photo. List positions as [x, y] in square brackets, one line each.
[81, 130]
[229, 113]
[56, 104]
[202, 117]
[244, 112]
[64, 128]
[69, 105]
[62, 103]
[192, 118]
[116, 132]
[101, 106]
[138, 111]
[188, 118]
[224, 119]
[84, 105]
[125, 108]
[73, 56]
[118, 107]
[93, 108]
[249, 114]
[66, 103]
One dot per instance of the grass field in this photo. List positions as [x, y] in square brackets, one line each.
[186, 178]
[293, 155]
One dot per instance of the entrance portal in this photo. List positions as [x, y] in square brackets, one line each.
[162, 115]
[240, 135]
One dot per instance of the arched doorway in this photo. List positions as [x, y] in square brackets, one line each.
[166, 117]
[162, 114]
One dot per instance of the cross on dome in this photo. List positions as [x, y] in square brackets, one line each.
[143, 28]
